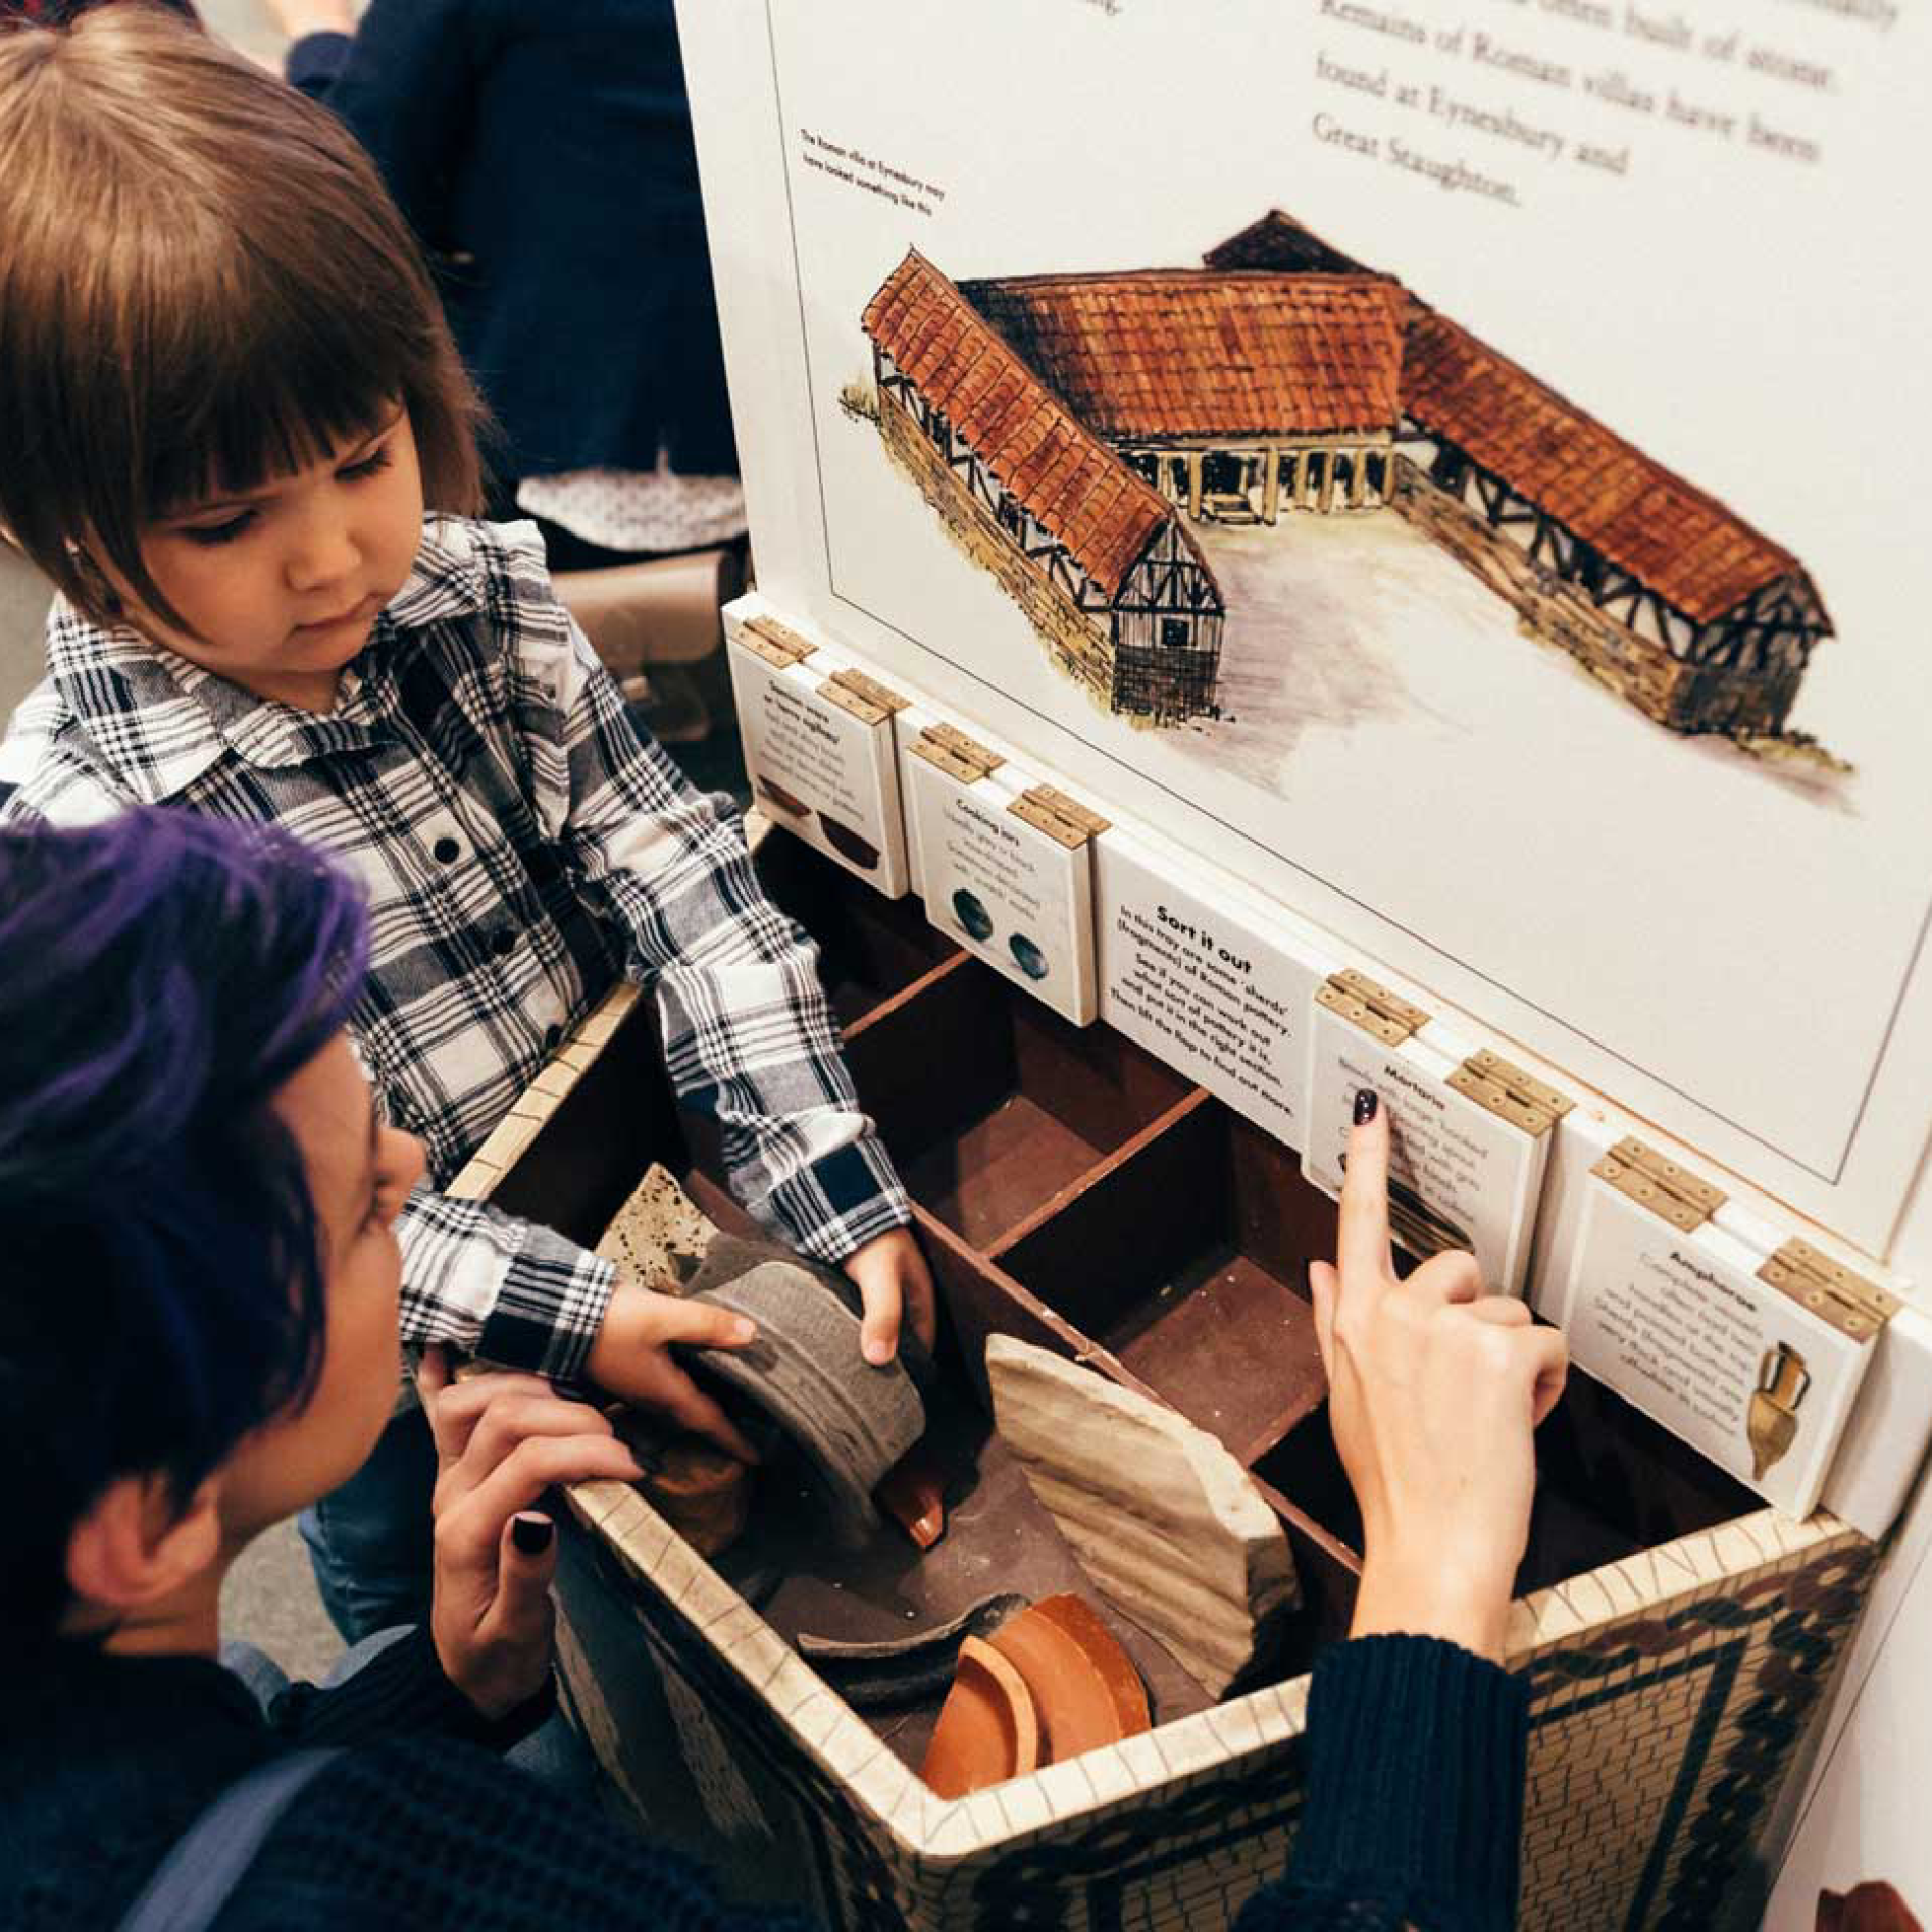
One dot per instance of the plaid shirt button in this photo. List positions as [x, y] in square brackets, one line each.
[446, 850]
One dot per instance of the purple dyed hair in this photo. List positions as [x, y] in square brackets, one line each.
[161, 977]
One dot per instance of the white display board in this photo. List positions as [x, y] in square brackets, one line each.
[1662, 243]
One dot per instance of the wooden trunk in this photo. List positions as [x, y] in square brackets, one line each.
[1075, 1192]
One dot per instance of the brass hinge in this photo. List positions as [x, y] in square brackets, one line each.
[776, 644]
[1510, 1093]
[1656, 1182]
[1063, 819]
[855, 703]
[857, 683]
[952, 752]
[1373, 1008]
[1852, 1304]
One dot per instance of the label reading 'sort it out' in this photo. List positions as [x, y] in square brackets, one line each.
[1202, 984]
[1008, 893]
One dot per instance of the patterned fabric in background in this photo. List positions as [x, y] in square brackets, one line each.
[639, 509]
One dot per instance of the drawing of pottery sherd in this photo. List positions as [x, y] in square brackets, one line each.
[1069, 430]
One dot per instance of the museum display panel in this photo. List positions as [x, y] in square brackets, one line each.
[1509, 582]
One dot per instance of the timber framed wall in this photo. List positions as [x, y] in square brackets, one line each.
[1069, 526]
[1076, 637]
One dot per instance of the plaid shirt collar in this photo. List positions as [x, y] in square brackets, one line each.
[162, 720]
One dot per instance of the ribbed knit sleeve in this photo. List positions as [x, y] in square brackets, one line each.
[1414, 1813]
[400, 1692]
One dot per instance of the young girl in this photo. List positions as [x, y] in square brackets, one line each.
[226, 395]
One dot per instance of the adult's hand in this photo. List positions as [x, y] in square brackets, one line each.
[631, 1358]
[894, 1286]
[1435, 1388]
[501, 1441]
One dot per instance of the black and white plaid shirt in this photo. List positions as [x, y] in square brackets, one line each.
[522, 849]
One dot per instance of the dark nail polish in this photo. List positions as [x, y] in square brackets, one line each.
[1365, 1102]
[531, 1532]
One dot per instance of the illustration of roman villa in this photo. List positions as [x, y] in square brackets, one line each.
[1073, 430]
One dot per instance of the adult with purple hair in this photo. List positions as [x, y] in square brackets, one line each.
[197, 1337]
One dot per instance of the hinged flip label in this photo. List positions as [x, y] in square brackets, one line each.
[1654, 1182]
[1688, 1325]
[1465, 1170]
[1013, 892]
[1852, 1304]
[1370, 1006]
[1510, 1093]
[821, 757]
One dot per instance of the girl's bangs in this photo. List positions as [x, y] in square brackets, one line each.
[265, 407]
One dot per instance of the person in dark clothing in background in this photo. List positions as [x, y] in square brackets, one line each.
[196, 1203]
[543, 155]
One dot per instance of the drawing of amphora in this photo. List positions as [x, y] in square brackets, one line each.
[1772, 1420]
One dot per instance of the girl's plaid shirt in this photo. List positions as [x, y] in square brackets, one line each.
[522, 849]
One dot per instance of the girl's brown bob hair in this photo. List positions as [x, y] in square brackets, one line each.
[203, 284]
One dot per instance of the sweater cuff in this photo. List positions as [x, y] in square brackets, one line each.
[314, 61]
[399, 1691]
[1415, 1786]
[551, 1304]
[844, 1199]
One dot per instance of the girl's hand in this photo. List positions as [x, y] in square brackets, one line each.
[1435, 1388]
[502, 1440]
[632, 1359]
[894, 1284]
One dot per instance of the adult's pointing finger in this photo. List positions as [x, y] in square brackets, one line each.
[1362, 1247]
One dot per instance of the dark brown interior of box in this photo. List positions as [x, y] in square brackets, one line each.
[1075, 1192]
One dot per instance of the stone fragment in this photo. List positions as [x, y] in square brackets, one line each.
[1164, 1519]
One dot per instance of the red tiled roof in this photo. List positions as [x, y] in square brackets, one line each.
[1189, 353]
[1280, 242]
[1687, 547]
[1072, 483]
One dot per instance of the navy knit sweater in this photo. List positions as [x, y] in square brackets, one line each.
[1412, 1814]
[545, 155]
